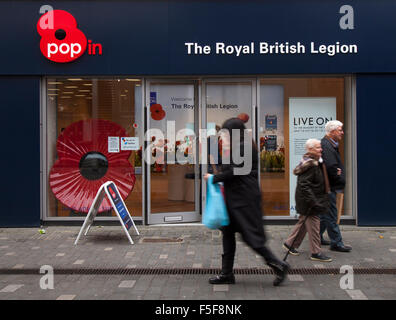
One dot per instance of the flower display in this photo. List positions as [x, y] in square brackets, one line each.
[272, 161]
[157, 113]
[164, 152]
[85, 163]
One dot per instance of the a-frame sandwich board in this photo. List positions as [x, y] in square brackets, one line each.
[109, 190]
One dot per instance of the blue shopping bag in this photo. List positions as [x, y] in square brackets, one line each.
[215, 215]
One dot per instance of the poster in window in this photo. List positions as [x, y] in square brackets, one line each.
[271, 122]
[270, 143]
[307, 119]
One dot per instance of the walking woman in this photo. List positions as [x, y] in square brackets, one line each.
[243, 201]
[312, 199]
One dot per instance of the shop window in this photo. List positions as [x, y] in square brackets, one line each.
[115, 106]
[283, 101]
[225, 100]
[87, 121]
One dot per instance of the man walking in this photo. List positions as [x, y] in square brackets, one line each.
[336, 175]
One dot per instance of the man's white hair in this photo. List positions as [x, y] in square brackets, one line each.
[310, 143]
[332, 125]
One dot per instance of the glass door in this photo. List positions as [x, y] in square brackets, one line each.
[171, 163]
[223, 99]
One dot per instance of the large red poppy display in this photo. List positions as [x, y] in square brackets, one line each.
[85, 163]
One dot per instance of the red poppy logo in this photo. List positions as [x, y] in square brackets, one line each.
[61, 40]
[85, 163]
[157, 113]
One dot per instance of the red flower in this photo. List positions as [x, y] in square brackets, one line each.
[155, 107]
[244, 117]
[157, 113]
[84, 164]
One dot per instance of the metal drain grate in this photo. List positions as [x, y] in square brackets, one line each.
[181, 271]
[161, 240]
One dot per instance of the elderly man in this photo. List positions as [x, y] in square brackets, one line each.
[336, 174]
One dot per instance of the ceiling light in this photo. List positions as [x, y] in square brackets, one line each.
[65, 97]
[54, 82]
[79, 95]
[87, 84]
[132, 79]
[71, 87]
[67, 92]
[84, 90]
[74, 79]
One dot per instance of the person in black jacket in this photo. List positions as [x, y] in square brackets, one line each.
[336, 174]
[243, 202]
[312, 199]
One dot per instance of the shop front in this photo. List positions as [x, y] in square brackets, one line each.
[136, 96]
[190, 109]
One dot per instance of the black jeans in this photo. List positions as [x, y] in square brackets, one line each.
[229, 246]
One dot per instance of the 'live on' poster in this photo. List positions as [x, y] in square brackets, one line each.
[307, 119]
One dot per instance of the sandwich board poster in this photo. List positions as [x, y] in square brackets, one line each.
[307, 119]
[119, 205]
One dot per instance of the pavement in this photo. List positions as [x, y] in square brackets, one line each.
[174, 262]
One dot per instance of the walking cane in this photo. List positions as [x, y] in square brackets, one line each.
[291, 246]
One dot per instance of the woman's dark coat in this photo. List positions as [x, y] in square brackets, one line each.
[243, 201]
[312, 191]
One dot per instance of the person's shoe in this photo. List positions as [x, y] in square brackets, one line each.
[281, 269]
[324, 242]
[341, 248]
[320, 257]
[223, 279]
[291, 250]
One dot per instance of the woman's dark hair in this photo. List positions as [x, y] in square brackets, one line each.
[237, 124]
